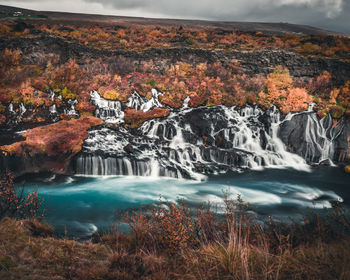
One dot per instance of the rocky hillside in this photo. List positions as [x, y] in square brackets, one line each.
[59, 69]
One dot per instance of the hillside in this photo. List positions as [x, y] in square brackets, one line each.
[61, 66]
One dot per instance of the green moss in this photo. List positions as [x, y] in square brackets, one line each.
[152, 83]
[67, 94]
[28, 102]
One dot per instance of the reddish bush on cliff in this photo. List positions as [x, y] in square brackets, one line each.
[137, 118]
[320, 85]
[68, 75]
[58, 139]
[2, 119]
[344, 97]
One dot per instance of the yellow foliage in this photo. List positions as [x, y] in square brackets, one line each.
[111, 95]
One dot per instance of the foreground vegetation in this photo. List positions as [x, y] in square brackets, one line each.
[173, 242]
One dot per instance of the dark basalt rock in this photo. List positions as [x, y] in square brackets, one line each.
[292, 133]
[251, 62]
[129, 149]
[342, 145]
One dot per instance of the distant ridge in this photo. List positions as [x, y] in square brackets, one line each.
[265, 27]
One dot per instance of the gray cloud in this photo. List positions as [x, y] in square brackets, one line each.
[327, 14]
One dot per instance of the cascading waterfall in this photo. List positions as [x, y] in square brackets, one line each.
[194, 142]
[310, 137]
[22, 109]
[108, 110]
[135, 101]
[153, 102]
[53, 109]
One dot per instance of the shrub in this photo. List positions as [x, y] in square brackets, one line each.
[67, 94]
[10, 57]
[336, 112]
[15, 203]
[137, 118]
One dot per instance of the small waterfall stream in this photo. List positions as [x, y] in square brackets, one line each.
[108, 110]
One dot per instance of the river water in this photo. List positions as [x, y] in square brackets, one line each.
[79, 206]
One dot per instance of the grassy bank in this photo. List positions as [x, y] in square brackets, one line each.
[172, 242]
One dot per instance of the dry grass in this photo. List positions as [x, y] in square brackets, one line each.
[228, 248]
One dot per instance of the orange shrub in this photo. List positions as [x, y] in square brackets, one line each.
[297, 100]
[137, 118]
[61, 138]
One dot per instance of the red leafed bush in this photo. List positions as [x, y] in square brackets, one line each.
[58, 139]
[15, 203]
[137, 118]
[169, 228]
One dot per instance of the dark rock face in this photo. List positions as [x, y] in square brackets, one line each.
[342, 145]
[20, 165]
[315, 140]
[292, 133]
[251, 62]
[187, 144]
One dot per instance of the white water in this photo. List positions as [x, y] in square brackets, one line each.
[319, 138]
[108, 110]
[22, 109]
[53, 109]
[135, 101]
[153, 102]
[70, 110]
[170, 147]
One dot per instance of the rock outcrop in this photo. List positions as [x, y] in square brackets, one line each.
[47, 148]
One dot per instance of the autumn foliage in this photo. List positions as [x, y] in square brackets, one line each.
[64, 138]
[279, 91]
[141, 38]
[15, 203]
[31, 81]
[137, 117]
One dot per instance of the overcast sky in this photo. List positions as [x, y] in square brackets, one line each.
[328, 14]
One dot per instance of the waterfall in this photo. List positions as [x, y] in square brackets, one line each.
[186, 101]
[135, 101]
[141, 103]
[51, 95]
[108, 110]
[192, 143]
[70, 109]
[22, 109]
[94, 165]
[53, 109]
[153, 102]
[10, 108]
[319, 137]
